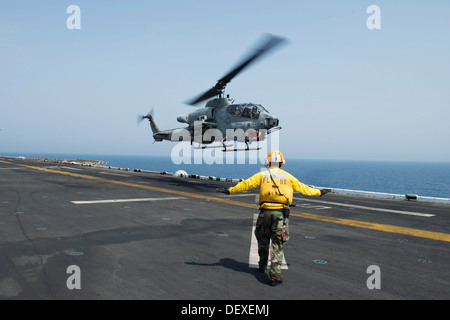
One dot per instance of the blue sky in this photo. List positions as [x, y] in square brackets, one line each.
[341, 91]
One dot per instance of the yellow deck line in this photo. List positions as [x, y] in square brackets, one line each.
[347, 222]
[376, 226]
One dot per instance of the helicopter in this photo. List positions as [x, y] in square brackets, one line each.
[221, 119]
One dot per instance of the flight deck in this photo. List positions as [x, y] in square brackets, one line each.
[80, 232]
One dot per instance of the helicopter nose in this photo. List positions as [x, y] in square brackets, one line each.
[270, 121]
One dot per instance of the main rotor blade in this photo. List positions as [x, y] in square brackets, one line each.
[206, 95]
[269, 43]
[266, 45]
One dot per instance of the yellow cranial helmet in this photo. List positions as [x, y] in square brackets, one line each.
[275, 156]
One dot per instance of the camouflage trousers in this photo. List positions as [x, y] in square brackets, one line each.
[269, 226]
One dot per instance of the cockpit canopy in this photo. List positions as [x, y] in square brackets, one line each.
[246, 110]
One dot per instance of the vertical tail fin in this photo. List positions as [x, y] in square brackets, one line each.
[149, 116]
[158, 135]
[153, 124]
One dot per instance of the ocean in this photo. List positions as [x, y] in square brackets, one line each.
[430, 179]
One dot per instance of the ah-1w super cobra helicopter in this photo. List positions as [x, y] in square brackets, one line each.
[222, 113]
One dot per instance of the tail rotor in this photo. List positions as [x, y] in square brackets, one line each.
[148, 116]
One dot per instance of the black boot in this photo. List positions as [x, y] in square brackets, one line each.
[275, 283]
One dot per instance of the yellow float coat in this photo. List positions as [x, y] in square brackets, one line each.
[271, 197]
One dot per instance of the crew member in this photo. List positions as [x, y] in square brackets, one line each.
[275, 198]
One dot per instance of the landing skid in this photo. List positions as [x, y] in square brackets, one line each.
[240, 149]
[225, 148]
